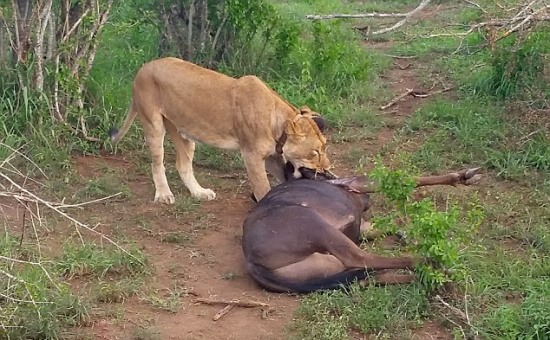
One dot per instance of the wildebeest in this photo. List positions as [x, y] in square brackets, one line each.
[303, 235]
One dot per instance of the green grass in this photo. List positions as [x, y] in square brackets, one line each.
[481, 133]
[36, 304]
[98, 261]
[371, 310]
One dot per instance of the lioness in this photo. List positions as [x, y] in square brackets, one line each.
[196, 104]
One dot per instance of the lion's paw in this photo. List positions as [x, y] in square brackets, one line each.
[166, 198]
[204, 194]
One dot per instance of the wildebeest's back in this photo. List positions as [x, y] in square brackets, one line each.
[304, 204]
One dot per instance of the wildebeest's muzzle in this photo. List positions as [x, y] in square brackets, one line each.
[292, 173]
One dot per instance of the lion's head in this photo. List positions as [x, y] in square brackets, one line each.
[305, 146]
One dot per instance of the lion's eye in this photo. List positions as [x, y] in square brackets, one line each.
[314, 154]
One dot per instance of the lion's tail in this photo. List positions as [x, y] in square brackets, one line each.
[116, 134]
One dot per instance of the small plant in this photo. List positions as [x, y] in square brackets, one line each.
[94, 260]
[178, 237]
[116, 291]
[437, 236]
[169, 302]
[36, 304]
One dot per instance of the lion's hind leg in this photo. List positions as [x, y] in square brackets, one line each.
[185, 150]
[154, 136]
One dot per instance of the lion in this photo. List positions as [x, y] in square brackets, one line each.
[195, 104]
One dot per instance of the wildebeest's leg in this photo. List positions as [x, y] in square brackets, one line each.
[352, 256]
[275, 164]
[154, 131]
[314, 266]
[386, 277]
[185, 150]
[255, 168]
[465, 177]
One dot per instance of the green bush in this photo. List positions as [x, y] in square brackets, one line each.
[438, 236]
[517, 67]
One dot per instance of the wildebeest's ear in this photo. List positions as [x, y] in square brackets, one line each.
[320, 121]
[356, 184]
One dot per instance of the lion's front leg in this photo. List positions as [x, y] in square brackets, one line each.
[255, 168]
[185, 149]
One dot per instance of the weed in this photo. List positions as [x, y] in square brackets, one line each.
[169, 302]
[178, 237]
[231, 276]
[93, 260]
[146, 333]
[106, 185]
[36, 304]
[329, 315]
[185, 204]
[116, 291]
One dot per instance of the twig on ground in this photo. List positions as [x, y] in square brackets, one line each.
[396, 99]
[223, 312]
[56, 208]
[407, 17]
[476, 5]
[355, 16]
[403, 67]
[455, 310]
[414, 93]
[401, 56]
[420, 94]
[236, 302]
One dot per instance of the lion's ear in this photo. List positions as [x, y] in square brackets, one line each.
[291, 128]
[305, 110]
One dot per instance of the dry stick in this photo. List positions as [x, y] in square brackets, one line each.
[476, 5]
[222, 312]
[14, 151]
[409, 15]
[455, 310]
[355, 16]
[236, 302]
[396, 99]
[403, 67]
[416, 94]
[70, 218]
[23, 224]
[401, 56]
[424, 95]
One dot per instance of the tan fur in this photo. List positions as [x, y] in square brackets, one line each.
[193, 104]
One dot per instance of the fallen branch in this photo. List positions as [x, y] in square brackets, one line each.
[396, 99]
[234, 302]
[407, 17]
[419, 94]
[460, 314]
[402, 68]
[414, 93]
[355, 16]
[222, 312]
[22, 194]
